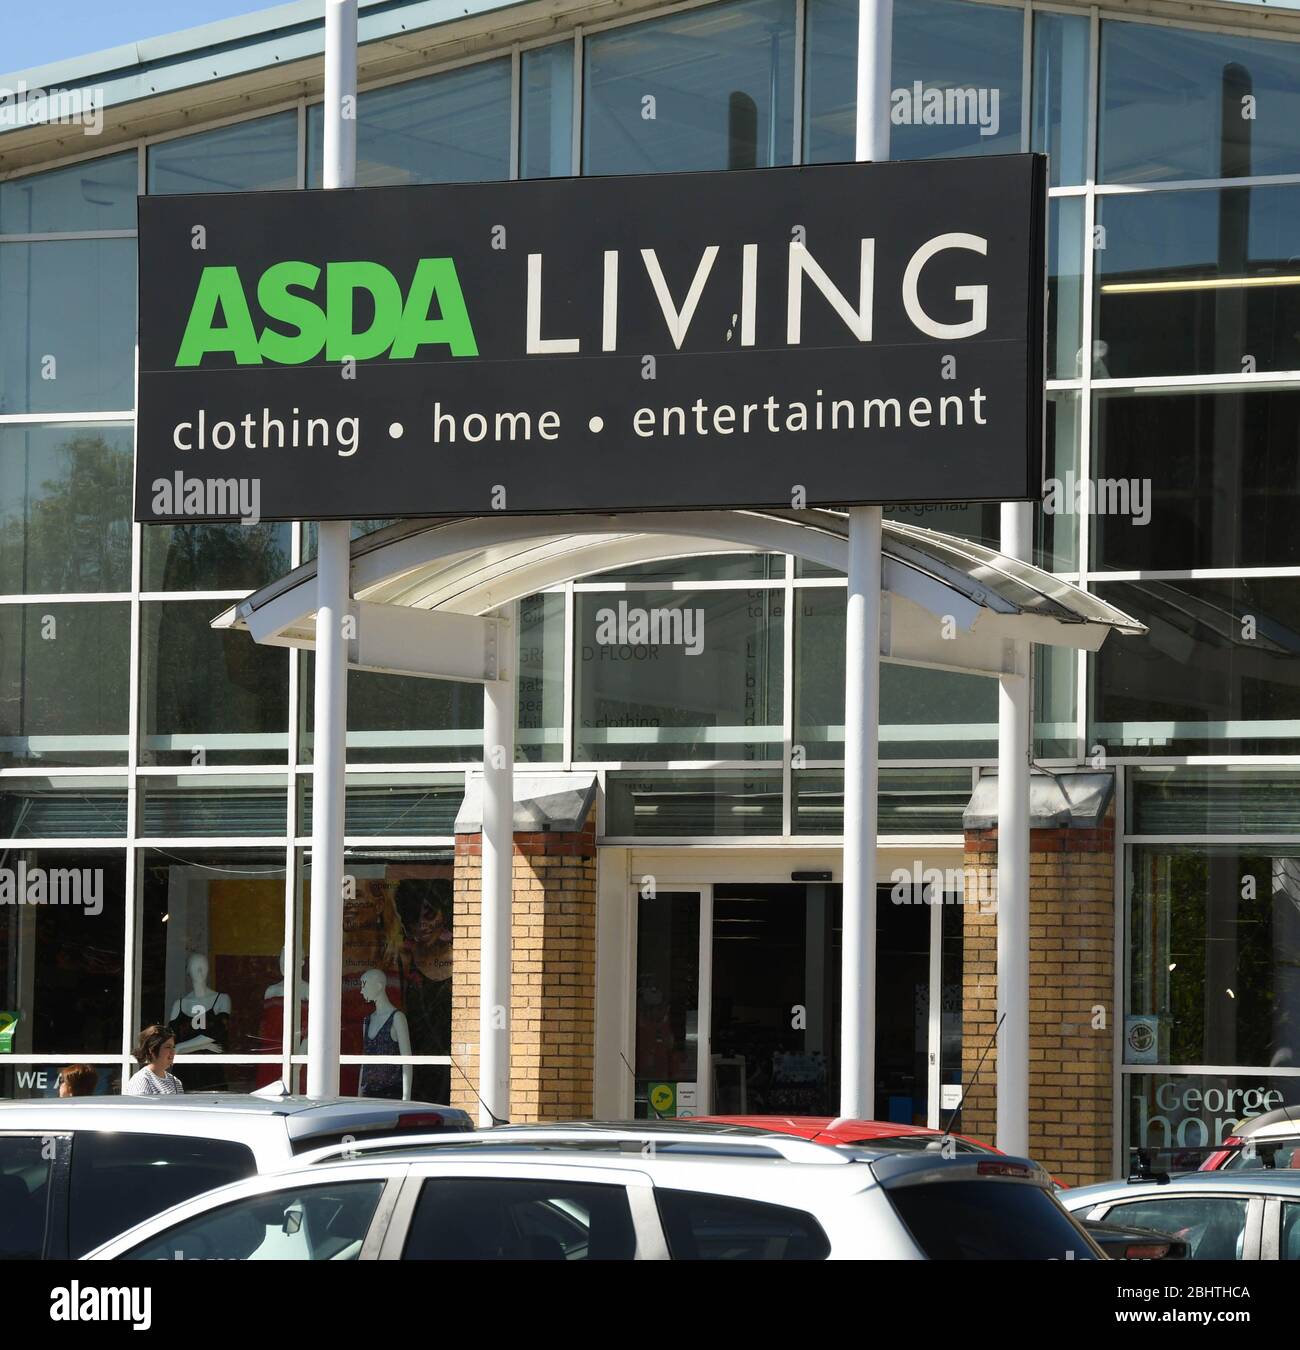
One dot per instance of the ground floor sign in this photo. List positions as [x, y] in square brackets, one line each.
[783, 337]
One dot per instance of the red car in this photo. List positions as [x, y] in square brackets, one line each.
[835, 1130]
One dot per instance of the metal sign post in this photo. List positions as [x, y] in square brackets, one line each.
[862, 666]
[329, 745]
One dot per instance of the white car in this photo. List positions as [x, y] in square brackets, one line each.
[622, 1193]
[76, 1170]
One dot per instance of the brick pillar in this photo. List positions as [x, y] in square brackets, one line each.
[552, 973]
[1071, 995]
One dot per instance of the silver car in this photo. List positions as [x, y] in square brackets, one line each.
[76, 1170]
[634, 1192]
[1223, 1216]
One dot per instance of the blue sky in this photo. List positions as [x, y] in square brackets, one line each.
[36, 32]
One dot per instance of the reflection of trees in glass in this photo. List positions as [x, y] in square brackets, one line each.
[214, 557]
[1231, 955]
[73, 531]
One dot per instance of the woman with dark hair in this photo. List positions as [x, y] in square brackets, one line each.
[155, 1050]
[77, 1080]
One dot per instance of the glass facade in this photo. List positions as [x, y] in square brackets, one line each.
[139, 747]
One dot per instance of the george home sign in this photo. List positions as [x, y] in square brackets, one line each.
[815, 336]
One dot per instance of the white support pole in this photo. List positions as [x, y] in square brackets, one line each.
[498, 851]
[862, 666]
[333, 565]
[1013, 868]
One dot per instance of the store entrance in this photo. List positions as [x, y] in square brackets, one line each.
[764, 960]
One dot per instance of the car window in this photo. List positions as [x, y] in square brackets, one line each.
[26, 1166]
[702, 1227]
[1290, 1246]
[1214, 1226]
[966, 1220]
[1279, 1154]
[520, 1219]
[120, 1179]
[297, 1223]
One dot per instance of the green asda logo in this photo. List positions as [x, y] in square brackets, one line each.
[432, 313]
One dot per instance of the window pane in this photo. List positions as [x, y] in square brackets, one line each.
[679, 675]
[119, 1180]
[418, 804]
[546, 118]
[667, 994]
[724, 803]
[312, 1223]
[65, 508]
[966, 59]
[1214, 947]
[1065, 288]
[1192, 283]
[978, 521]
[924, 714]
[711, 88]
[208, 697]
[1174, 105]
[1056, 727]
[1217, 673]
[97, 194]
[211, 952]
[518, 1219]
[246, 157]
[539, 735]
[398, 718]
[61, 962]
[397, 959]
[1056, 518]
[1060, 115]
[909, 801]
[1213, 1226]
[450, 128]
[26, 1167]
[1180, 1118]
[63, 683]
[224, 804]
[214, 557]
[1196, 480]
[67, 343]
[62, 807]
[1208, 800]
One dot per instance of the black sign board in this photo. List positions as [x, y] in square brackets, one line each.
[779, 337]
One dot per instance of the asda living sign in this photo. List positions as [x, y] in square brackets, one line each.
[786, 337]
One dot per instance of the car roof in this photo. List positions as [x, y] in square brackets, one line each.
[301, 1115]
[1265, 1182]
[1284, 1120]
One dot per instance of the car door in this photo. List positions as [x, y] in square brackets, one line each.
[1217, 1226]
[510, 1211]
[1281, 1240]
[33, 1195]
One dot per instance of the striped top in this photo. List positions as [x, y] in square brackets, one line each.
[146, 1083]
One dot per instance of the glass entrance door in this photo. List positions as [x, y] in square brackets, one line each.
[764, 960]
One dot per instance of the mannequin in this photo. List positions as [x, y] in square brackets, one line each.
[201, 1019]
[271, 1030]
[384, 1032]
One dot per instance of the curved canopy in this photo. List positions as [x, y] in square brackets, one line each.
[947, 602]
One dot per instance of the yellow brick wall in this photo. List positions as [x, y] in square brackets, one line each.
[1071, 1003]
[552, 976]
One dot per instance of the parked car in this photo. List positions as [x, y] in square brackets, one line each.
[1136, 1244]
[76, 1170]
[870, 1133]
[622, 1192]
[1223, 1216]
[1269, 1142]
